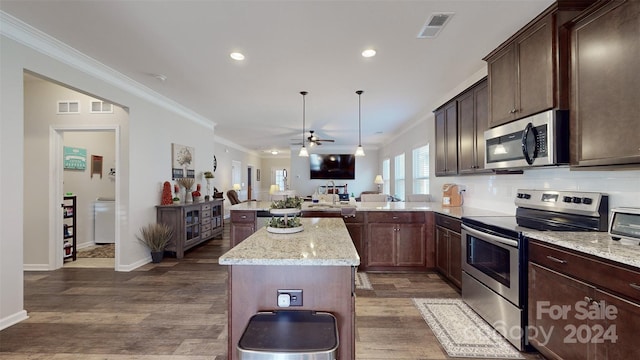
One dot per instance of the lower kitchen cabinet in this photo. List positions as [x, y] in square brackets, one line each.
[449, 248]
[192, 224]
[581, 307]
[395, 240]
[243, 224]
[355, 227]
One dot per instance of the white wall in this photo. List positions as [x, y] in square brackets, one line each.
[144, 155]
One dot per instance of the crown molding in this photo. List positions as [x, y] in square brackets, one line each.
[45, 44]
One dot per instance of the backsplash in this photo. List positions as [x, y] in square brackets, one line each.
[497, 192]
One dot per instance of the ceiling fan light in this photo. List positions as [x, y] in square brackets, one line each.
[303, 152]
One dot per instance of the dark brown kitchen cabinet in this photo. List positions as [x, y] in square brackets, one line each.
[449, 248]
[446, 120]
[396, 240]
[528, 73]
[472, 122]
[355, 227]
[243, 224]
[605, 74]
[564, 287]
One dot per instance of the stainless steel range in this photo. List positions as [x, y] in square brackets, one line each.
[494, 252]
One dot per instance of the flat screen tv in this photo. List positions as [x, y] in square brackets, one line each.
[332, 166]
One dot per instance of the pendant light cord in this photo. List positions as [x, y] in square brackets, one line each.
[303, 93]
[359, 92]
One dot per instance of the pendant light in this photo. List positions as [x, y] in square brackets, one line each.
[303, 150]
[359, 149]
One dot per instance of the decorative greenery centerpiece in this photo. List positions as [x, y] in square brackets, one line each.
[285, 224]
[288, 203]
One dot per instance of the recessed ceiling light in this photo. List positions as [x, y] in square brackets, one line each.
[369, 53]
[274, 152]
[237, 56]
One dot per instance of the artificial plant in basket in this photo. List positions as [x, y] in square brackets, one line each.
[155, 237]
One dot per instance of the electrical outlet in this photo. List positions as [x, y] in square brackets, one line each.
[295, 296]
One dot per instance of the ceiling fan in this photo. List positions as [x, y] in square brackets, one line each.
[314, 140]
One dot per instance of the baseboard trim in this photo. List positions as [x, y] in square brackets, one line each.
[135, 265]
[13, 319]
[36, 267]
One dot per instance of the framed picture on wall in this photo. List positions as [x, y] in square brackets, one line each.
[75, 158]
[182, 161]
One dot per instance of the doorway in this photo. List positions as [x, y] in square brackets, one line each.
[53, 111]
[93, 193]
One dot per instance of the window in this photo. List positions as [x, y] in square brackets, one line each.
[279, 178]
[399, 176]
[421, 170]
[386, 176]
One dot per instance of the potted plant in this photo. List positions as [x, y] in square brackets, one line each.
[155, 237]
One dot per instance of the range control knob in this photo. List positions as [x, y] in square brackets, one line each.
[587, 201]
[566, 199]
[577, 200]
[527, 196]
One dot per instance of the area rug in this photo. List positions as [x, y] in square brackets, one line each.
[98, 251]
[461, 332]
[362, 281]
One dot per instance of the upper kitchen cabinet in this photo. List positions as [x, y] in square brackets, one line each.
[446, 119]
[472, 122]
[529, 72]
[605, 80]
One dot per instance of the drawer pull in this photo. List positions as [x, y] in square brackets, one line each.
[244, 216]
[635, 286]
[554, 259]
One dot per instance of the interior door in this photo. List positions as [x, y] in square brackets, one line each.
[249, 182]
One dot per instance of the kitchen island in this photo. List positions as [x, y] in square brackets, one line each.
[320, 261]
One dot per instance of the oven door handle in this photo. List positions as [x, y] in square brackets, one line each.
[491, 238]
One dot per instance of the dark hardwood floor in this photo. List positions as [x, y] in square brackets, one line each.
[177, 310]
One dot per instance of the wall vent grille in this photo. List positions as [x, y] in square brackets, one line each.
[69, 107]
[101, 107]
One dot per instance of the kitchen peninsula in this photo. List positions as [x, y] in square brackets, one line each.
[320, 261]
[389, 236]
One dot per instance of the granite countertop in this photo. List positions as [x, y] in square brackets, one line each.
[598, 244]
[456, 212]
[324, 242]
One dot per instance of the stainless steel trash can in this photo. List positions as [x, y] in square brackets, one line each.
[289, 335]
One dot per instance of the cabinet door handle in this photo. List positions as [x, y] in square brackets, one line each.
[635, 286]
[513, 111]
[554, 259]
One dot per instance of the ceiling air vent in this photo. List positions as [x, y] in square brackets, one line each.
[434, 25]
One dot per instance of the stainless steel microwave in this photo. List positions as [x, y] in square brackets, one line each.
[538, 140]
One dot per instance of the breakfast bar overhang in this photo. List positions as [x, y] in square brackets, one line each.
[320, 261]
